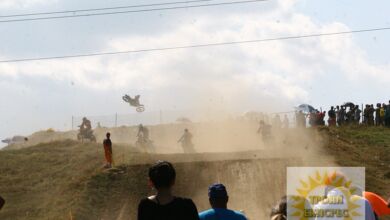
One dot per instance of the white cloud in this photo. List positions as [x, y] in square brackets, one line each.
[17, 4]
[279, 69]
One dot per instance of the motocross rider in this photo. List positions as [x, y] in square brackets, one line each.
[85, 127]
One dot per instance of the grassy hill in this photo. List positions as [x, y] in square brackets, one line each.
[47, 181]
[362, 146]
[64, 179]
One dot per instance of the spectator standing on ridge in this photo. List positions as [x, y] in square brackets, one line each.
[357, 114]
[387, 115]
[107, 144]
[378, 121]
[341, 116]
[371, 111]
[350, 115]
[164, 205]
[218, 198]
[321, 119]
[332, 117]
[382, 113]
[365, 114]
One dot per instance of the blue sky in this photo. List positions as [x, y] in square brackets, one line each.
[272, 76]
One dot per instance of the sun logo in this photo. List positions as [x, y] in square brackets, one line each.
[325, 196]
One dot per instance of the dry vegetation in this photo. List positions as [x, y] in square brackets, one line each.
[58, 179]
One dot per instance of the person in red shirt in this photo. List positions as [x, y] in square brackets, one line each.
[107, 144]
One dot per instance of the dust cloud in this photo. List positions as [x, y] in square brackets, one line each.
[228, 149]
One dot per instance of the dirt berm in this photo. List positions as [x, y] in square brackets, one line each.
[254, 185]
[61, 179]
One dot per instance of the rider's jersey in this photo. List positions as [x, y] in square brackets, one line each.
[86, 126]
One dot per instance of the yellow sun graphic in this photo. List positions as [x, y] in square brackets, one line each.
[333, 180]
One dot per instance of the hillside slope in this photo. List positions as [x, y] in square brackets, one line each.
[61, 179]
[365, 147]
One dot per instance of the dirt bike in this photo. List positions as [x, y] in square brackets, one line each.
[81, 136]
[134, 103]
[145, 145]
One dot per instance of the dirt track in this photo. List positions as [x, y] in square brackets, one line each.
[249, 183]
[254, 172]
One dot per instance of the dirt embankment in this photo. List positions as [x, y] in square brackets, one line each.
[253, 186]
[63, 178]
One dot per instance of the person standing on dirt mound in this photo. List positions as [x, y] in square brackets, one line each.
[107, 144]
[218, 198]
[164, 205]
[186, 142]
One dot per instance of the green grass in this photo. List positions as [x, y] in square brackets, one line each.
[366, 147]
[47, 181]
[50, 181]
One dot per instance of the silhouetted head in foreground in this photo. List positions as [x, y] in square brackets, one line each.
[164, 205]
[108, 135]
[279, 212]
[162, 175]
[218, 196]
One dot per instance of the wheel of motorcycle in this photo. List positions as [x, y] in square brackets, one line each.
[140, 109]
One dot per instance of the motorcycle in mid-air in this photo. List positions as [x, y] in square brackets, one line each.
[134, 102]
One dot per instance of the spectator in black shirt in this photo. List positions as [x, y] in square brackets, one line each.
[164, 205]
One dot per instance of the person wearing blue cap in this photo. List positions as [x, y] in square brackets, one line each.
[218, 198]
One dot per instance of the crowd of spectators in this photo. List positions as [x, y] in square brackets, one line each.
[347, 114]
